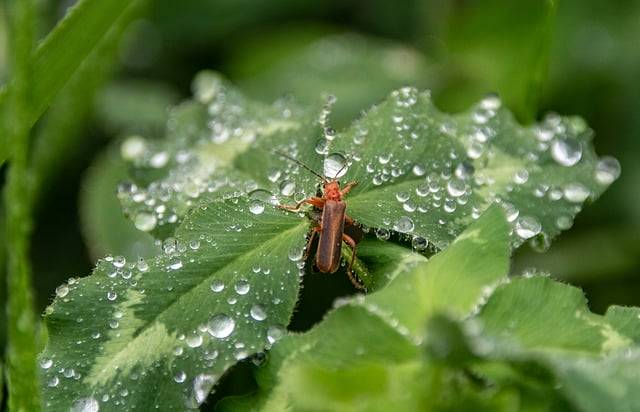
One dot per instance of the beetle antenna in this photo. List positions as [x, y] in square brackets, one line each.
[340, 171]
[294, 160]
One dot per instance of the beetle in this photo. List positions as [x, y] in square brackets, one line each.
[331, 225]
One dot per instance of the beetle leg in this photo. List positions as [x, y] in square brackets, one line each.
[314, 232]
[314, 201]
[352, 243]
[348, 221]
[347, 188]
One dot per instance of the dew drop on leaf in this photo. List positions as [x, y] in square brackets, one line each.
[202, 385]
[576, 192]
[194, 341]
[256, 207]
[335, 166]
[567, 152]
[607, 170]
[242, 287]
[62, 291]
[274, 333]
[220, 326]
[527, 227]
[145, 221]
[88, 404]
[257, 312]
[180, 377]
[46, 363]
[404, 225]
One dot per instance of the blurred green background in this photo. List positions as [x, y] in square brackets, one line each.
[571, 56]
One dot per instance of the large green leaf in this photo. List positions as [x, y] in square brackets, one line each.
[378, 350]
[159, 333]
[430, 174]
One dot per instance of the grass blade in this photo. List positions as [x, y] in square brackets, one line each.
[21, 324]
[64, 50]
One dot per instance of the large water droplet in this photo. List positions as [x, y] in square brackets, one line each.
[576, 192]
[287, 188]
[202, 385]
[256, 207]
[194, 341]
[527, 227]
[274, 333]
[607, 170]
[62, 291]
[242, 287]
[180, 377]
[404, 225]
[217, 286]
[295, 254]
[88, 404]
[145, 221]
[456, 187]
[220, 326]
[133, 148]
[335, 166]
[257, 312]
[567, 152]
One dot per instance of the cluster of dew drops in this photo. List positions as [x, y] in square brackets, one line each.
[448, 184]
[204, 342]
[191, 171]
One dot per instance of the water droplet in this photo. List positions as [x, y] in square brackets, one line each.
[202, 385]
[159, 160]
[521, 176]
[194, 341]
[402, 196]
[576, 192]
[143, 266]
[257, 312]
[287, 188]
[62, 291]
[418, 170]
[404, 225]
[119, 261]
[456, 187]
[180, 377]
[220, 326]
[527, 227]
[133, 148]
[256, 207]
[263, 196]
[46, 363]
[295, 254]
[145, 221]
[419, 243]
[607, 170]
[217, 286]
[383, 234]
[335, 166]
[175, 265]
[567, 152]
[564, 222]
[242, 287]
[88, 404]
[274, 333]
[111, 295]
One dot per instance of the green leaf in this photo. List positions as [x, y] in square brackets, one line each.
[453, 281]
[159, 333]
[494, 46]
[430, 174]
[193, 162]
[300, 63]
[626, 320]
[372, 339]
[106, 229]
[65, 49]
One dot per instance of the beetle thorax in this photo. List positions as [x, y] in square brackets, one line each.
[332, 191]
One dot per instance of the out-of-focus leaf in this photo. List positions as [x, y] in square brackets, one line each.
[106, 229]
[139, 107]
[65, 49]
[494, 46]
[358, 70]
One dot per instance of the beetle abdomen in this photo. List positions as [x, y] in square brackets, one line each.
[332, 228]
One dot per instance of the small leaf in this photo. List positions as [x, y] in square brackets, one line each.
[159, 333]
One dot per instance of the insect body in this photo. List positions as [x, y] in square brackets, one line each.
[331, 225]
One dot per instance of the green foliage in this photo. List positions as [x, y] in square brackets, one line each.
[226, 284]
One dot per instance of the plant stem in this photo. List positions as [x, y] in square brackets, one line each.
[22, 376]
